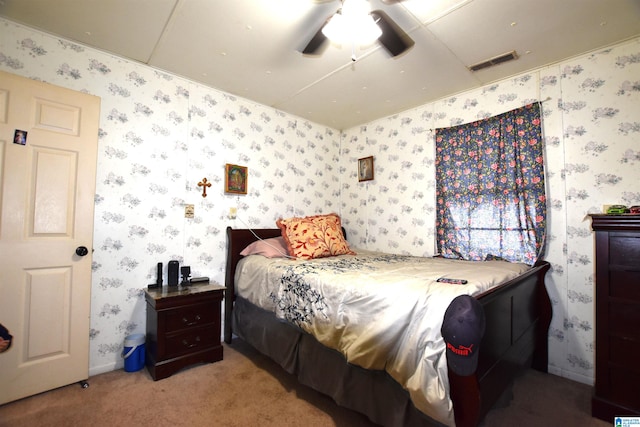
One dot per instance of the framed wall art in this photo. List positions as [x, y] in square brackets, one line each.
[365, 169]
[235, 179]
[20, 137]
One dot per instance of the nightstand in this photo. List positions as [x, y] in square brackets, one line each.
[183, 327]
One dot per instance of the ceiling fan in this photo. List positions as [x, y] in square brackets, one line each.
[391, 36]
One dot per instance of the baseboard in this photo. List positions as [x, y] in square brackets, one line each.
[103, 369]
[571, 376]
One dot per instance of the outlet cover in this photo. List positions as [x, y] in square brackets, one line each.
[189, 211]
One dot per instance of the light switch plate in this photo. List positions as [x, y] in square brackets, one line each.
[189, 211]
[233, 212]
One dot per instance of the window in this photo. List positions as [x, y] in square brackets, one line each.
[490, 190]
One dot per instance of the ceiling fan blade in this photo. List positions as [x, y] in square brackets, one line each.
[318, 40]
[393, 38]
[315, 43]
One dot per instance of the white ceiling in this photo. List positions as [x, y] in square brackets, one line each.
[251, 48]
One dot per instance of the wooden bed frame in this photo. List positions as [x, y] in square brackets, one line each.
[517, 313]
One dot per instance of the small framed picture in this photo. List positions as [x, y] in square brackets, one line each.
[20, 137]
[365, 169]
[235, 179]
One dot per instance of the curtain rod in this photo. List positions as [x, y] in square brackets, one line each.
[548, 98]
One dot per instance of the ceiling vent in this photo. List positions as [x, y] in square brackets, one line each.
[509, 56]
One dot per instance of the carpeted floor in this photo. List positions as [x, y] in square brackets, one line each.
[247, 389]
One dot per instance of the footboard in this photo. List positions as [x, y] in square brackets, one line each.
[518, 315]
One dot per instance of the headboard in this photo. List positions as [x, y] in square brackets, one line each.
[237, 240]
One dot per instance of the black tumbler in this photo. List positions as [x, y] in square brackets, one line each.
[172, 278]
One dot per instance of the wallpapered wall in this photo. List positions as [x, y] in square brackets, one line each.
[591, 125]
[161, 134]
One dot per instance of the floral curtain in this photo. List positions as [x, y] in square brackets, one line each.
[490, 190]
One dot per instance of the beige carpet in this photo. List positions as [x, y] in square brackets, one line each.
[246, 389]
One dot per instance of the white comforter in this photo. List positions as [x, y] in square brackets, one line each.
[381, 311]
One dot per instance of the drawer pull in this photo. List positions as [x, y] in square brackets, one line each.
[195, 322]
[187, 345]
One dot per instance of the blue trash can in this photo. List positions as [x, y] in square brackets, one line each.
[133, 352]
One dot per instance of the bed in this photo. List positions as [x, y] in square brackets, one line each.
[517, 314]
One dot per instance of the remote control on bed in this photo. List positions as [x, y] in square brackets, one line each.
[452, 281]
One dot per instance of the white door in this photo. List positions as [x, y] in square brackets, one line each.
[47, 187]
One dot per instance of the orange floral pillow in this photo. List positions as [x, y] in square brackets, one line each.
[314, 236]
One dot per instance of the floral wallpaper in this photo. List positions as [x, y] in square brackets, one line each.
[161, 134]
[591, 129]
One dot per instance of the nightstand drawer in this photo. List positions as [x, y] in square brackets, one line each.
[191, 316]
[190, 341]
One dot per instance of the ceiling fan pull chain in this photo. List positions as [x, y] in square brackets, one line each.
[353, 52]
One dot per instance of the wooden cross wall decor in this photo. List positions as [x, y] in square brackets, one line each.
[204, 184]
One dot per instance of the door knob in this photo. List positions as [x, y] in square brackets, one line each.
[82, 250]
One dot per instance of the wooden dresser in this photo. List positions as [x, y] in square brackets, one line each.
[617, 388]
[183, 327]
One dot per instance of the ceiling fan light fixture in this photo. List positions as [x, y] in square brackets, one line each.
[352, 24]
